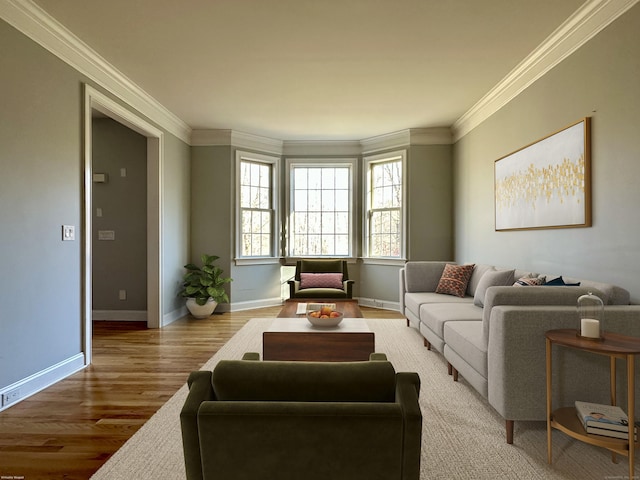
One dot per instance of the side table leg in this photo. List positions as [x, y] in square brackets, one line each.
[631, 405]
[548, 362]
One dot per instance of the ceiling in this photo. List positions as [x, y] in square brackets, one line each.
[314, 69]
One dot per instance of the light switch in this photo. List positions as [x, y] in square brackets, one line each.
[68, 233]
[123, 172]
[98, 212]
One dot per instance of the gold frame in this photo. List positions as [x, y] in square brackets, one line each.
[546, 184]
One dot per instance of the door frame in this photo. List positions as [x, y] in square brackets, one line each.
[95, 100]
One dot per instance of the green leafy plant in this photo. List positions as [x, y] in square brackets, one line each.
[205, 282]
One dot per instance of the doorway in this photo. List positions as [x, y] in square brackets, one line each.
[95, 101]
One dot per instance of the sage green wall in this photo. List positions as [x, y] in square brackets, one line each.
[600, 80]
[119, 264]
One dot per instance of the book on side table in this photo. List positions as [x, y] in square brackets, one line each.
[606, 420]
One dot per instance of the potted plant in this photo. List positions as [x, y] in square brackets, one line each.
[203, 287]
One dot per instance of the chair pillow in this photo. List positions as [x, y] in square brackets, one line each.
[496, 278]
[321, 280]
[530, 281]
[454, 279]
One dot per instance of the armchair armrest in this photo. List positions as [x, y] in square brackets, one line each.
[347, 286]
[294, 286]
[200, 390]
[407, 393]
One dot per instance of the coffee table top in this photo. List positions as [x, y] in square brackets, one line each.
[302, 325]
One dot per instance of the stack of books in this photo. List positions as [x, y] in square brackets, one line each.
[606, 420]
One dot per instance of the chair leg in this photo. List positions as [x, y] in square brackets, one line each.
[509, 426]
[408, 322]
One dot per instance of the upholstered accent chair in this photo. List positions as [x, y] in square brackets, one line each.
[268, 420]
[313, 279]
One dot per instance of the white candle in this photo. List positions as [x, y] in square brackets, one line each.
[589, 327]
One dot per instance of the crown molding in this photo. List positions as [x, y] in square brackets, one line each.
[578, 29]
[321, 147]
[43, 29]
[221, 137]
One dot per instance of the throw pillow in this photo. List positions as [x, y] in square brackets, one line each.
[498, 278]
[530, 281]
[321, 280]
[454, 279]
[559, 282]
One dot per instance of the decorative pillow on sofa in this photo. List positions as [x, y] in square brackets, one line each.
[559, 282]
[530, 281]
[454, 279]
[321, 280]
[496, 278]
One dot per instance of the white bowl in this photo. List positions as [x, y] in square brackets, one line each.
[325, 322]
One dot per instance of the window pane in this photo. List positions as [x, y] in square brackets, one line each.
[323, 195]
[385, 204]
[256, 237]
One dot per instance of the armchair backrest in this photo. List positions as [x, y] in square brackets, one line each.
[241, 380]
[322, 265]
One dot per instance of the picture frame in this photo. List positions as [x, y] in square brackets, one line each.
[546, 184]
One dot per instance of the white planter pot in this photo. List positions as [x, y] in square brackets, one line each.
[201, 311]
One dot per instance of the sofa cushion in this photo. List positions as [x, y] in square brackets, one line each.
[321, 280]
[413, 301]
[495, 278]
[454, 279]
[423, 276]
[478, 272]
[435, 315]
[467, 340]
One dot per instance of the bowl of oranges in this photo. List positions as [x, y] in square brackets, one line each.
[323, 315]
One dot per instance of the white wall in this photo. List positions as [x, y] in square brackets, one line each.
[600, 80]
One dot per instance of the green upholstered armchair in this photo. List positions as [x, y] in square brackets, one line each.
[302, 420]
[315, 266]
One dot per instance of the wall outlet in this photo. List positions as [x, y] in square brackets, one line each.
[10, 397]
[122, 294]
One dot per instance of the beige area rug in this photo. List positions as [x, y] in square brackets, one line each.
[463, 437]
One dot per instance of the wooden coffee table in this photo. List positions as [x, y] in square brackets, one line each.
[348, 307]
[296, 339]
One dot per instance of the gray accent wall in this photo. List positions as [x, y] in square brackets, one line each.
[41, 189]
[600, 80]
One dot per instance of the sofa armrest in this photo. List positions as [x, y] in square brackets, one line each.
[541, 295]
[200, 390]
[517, 356]
[407, 393]
[423, 276]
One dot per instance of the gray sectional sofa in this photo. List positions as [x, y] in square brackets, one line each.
[494, 335]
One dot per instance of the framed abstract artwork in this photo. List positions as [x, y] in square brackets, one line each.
[546, 184]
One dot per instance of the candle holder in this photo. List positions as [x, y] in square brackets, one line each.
[591, 315]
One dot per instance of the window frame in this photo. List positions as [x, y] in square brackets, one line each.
[368, 163]
[320, 162]
[274, 163]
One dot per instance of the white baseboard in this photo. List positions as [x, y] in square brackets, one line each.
[171, 317]
[383, 304]
[239, 306]
[120, 315]
[39, 381]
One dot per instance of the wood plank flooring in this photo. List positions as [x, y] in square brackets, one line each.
[70, 429]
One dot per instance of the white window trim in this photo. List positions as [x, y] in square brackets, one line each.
[366, 202]
[275, 192]
[352, 162]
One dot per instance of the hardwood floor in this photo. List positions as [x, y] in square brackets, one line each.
[70, 429]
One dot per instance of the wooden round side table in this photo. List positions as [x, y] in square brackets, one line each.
[615, 346]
